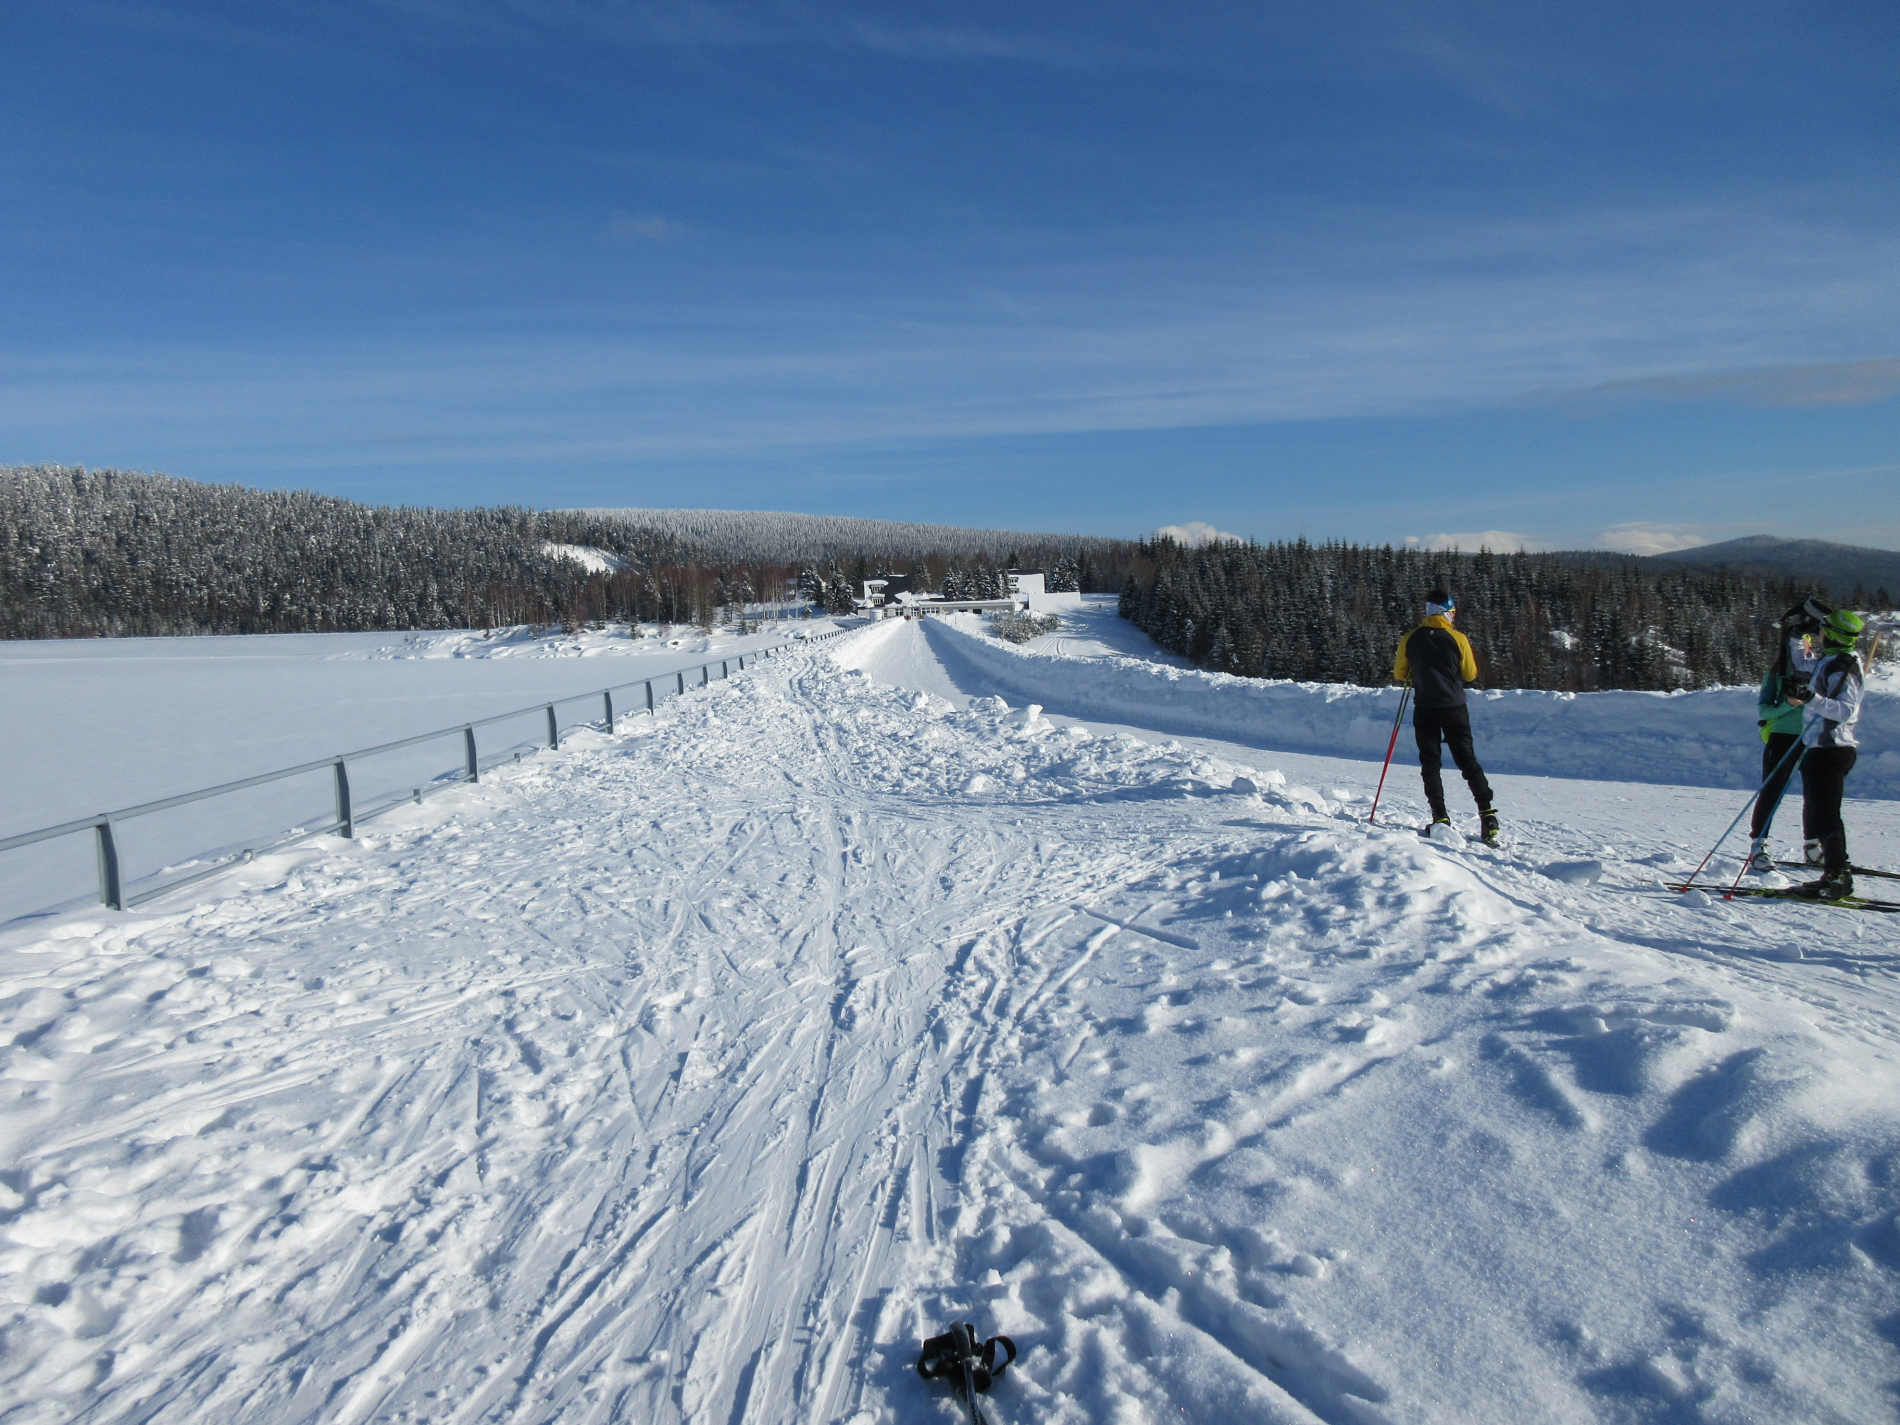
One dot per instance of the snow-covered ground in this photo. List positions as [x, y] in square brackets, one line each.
[99, 724]
[1092, 628]
[1095, 666]
[697, 1072]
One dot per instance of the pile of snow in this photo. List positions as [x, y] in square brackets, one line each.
[700, 1071]
[1705, 739]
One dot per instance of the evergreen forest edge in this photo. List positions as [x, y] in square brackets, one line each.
[110, 553]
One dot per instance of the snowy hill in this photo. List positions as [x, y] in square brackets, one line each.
[780, 535]
[697, 1072]
[1840, 568]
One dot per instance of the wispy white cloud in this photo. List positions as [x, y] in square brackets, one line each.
[964, 43]
[1197, 532]
[1498, 541]
[695, 24]
[1643, 538]
[650, 228]
[1825, 383]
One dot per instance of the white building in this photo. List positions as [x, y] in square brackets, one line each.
[895, 595]
[1029, 586]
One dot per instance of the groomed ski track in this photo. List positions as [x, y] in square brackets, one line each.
[697, 1072]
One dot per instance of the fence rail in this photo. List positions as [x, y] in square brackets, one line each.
[112, 886]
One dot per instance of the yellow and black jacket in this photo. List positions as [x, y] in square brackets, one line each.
[1436, 660]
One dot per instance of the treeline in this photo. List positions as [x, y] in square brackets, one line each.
[709, 592]
[1099, 572]
[1335, 612]
[111, 553]
[821, 541]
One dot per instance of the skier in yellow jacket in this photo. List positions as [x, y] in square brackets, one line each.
[1437, 661]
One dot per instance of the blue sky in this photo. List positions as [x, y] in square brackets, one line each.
[1615, 275]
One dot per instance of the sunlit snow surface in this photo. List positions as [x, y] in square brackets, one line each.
[698, 1072]
[96, 725]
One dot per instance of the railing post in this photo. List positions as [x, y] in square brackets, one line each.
[705, 676]
[554, 728]
[608, 698]
[109, 889]
[345, 818]
[682, 678]
[649, 695]
[725, 668]
[468, 743]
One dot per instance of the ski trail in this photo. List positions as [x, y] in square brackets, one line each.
[695, 1073]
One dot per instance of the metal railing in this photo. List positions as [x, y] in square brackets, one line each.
[112, 885]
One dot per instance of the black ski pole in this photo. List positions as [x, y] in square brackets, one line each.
[1773, 807]
[1744, 811]
[966, 1355]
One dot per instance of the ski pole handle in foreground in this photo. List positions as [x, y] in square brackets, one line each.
[971, 1367]
[1800, 748]
[1398, 718]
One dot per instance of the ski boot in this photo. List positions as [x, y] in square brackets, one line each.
[1834, 886]
[1488, 831]
[1811, 851]
[1760, 862]
[1437, 821]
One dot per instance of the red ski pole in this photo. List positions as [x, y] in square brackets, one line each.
[1398, 718]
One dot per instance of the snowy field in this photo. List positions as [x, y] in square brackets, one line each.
[1099, 666]
[697, 1072]
[100, 724]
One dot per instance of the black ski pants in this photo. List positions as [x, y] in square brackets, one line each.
[1823, 782]
[1453, 726]
[1777, 766]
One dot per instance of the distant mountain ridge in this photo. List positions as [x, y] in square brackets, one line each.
[1840, 569]
[779, 535]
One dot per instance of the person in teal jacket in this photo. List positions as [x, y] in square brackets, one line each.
[1779, 721]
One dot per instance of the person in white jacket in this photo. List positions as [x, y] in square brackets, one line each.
[1830, 706]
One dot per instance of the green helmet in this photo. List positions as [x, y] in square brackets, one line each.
[1842, 628]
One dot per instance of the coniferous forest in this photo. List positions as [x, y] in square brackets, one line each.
[109, 553]
[1335, 613]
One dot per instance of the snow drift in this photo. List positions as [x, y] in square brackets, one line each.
[1701, 739]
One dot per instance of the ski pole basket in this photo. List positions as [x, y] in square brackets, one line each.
[971, 1367]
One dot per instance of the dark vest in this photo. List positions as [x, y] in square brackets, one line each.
[1437, 668]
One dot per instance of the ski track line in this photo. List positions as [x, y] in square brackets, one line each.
[685, 1093]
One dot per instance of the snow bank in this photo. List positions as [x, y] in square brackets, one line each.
[1705, 739]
